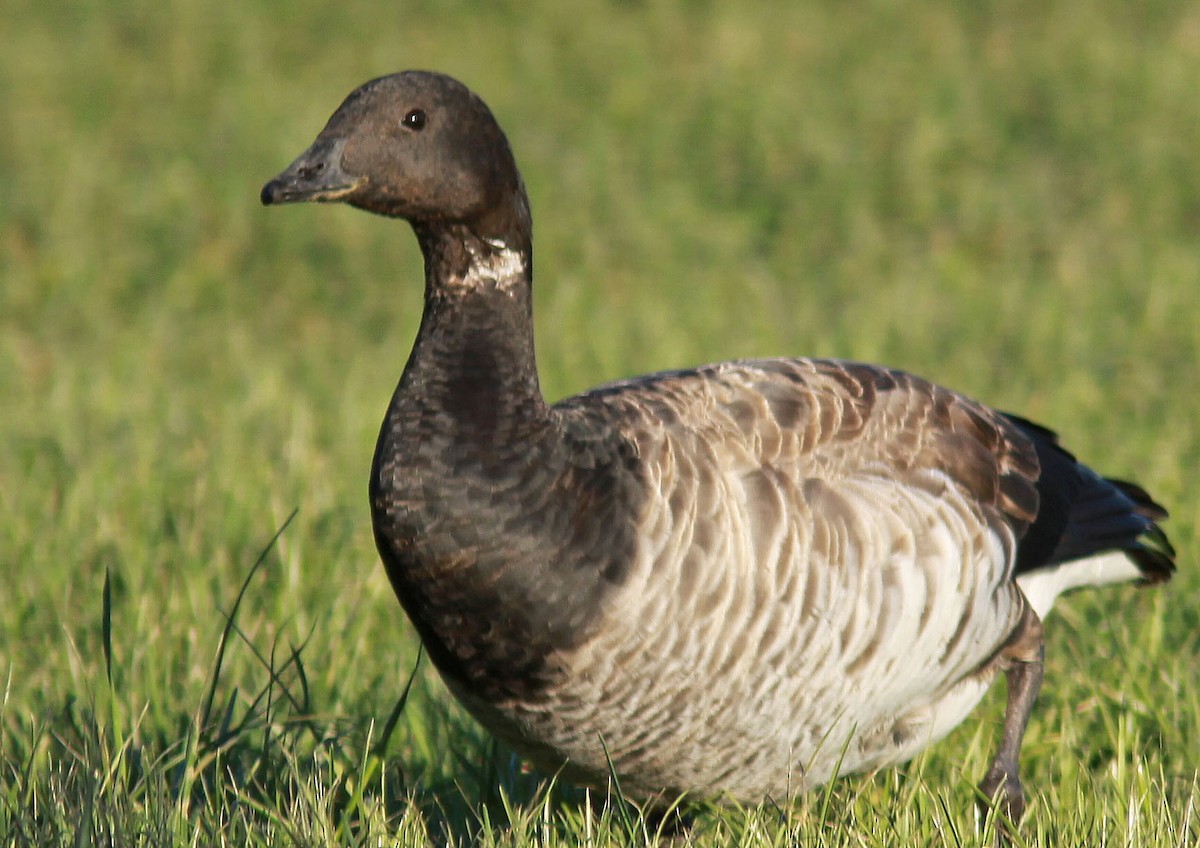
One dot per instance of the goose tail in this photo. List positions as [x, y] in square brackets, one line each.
[1089, 531]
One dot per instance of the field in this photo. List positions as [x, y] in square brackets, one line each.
[1004, 197]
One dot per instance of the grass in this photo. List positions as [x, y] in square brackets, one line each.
[1002, 197]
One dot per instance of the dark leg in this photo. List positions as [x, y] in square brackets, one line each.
[1023, 677]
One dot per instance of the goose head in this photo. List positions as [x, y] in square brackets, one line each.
[416, 145]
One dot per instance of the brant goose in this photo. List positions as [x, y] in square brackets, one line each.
[733, 580]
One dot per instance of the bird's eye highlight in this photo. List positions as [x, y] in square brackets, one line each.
[414, 120]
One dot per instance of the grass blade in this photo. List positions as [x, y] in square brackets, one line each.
[106, 626]
[398, 709]
[206, 712]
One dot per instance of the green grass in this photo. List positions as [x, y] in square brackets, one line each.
[1003, 197]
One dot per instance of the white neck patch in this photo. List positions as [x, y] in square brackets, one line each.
[501, 268]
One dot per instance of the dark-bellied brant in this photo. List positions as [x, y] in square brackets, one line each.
[731, 580]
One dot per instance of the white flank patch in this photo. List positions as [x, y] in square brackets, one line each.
[1042, 586]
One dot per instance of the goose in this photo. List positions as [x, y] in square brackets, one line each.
[735, 581]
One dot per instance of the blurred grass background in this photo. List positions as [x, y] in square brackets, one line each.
[1003, 197]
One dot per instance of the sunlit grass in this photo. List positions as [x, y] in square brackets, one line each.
[1002, 197]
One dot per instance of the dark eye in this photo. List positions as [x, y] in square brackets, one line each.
[414, 120]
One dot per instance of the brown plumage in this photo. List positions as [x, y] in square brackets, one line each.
[729, 580]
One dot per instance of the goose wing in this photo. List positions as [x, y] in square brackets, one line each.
[827, 549]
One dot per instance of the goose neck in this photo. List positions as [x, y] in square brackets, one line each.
[474, 361]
